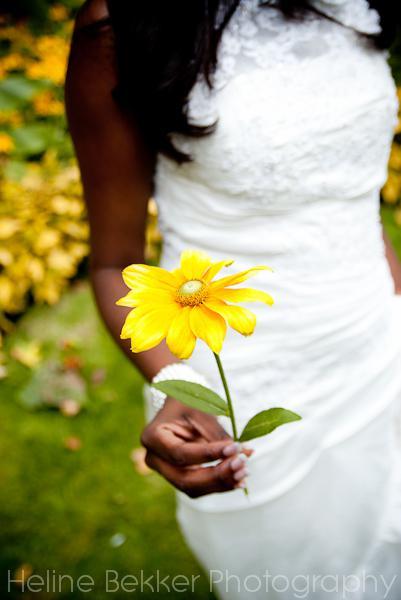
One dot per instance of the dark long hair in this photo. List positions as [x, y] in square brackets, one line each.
[163, 45]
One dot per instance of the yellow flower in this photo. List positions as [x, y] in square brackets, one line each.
[185, 304]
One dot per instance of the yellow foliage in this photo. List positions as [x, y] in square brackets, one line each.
[6, 143]
[46, 104]
[51, 59]
[11, 62]
[10, 117]
[43, 234]
[18, 34]
[395, 157]
[58, 12]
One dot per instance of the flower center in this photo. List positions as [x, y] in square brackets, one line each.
[191, 293]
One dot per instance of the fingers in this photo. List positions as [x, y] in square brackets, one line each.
[210, 429]
[163, 441]
[198, 481]
[207, 426]
[181, 431]
[237, 447]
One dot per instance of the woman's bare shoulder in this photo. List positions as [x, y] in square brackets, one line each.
[92, 17]
[91, 72]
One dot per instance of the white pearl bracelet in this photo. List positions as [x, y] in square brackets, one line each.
[177, 370]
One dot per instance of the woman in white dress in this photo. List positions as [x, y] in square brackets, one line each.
[290, 176]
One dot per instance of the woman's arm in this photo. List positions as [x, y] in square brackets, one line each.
[116, 170]
[117, 174]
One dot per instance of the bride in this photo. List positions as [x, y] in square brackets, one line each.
[263, 130]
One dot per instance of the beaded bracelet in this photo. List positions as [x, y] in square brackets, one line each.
[173, 371]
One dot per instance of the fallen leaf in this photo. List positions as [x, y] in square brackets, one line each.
[138, 458]
[117, 540]
[70, 408]
[27, 353]
[67, 344]
[98, 376]
[73, 443]
[73, 362]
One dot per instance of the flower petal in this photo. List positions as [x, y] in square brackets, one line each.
[238, 278]
[194, 263]
[239, 318]
[243, 295]
[130, 322]
[149, 276]
[142, 296]
[148, 327]
[208, 326]
[180, 339]
[179, 275]
[215, 268]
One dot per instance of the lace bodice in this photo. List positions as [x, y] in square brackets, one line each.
[303, 108]
[291, 178]
[262, 36]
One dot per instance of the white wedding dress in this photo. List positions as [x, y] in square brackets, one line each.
[291, 178]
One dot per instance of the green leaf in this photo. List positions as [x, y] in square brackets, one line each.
[267, 421]
[194, 395]
[34, 138]
[17, 90]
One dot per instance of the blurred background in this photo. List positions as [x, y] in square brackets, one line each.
[75, 494]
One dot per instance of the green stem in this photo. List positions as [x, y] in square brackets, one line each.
[229, 403]
[228, 397]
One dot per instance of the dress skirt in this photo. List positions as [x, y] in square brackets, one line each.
[323, 515]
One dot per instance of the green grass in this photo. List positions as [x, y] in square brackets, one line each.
[59, 509]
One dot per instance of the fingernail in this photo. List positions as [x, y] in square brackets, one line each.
[231, 449]
[241, 484]
[237, 463]
[240, 474]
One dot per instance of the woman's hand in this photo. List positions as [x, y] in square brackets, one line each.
[179, 439]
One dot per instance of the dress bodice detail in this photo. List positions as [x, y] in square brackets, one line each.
[298, 117]
[263, 36]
